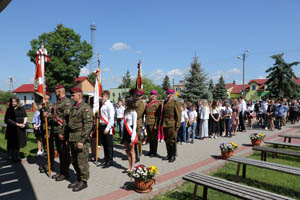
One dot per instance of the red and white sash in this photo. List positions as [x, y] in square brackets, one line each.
[129, 131]
[106, 122]
[151, 103]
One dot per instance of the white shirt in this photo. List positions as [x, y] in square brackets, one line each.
[108, 113]
[243, 106]
[120, 111]
[250, 108]
[131, 120]
[200, 110]
[192, 115]
[184, 116]
[264, 106]
[227, 111]
[205, 113]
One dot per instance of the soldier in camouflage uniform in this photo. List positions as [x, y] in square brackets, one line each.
[47, 111]
[61, 113]
[140, 108]
[171, 118]
[80, 125]
[152, 115]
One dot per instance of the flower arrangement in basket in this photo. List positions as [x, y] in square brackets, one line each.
[143, 177]
[227, 149]
[256, 138]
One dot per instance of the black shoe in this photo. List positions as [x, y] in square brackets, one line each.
[172, 159]
[125, 158]
[55, 176]
[192, 142]
[42, 169]
[80, 186]
[149, 153]
[153, 155]
[107, 165]
[166, 158]
[72, 185]
[61, 177]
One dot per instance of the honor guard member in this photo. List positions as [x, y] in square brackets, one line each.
[106, 130]
[152, 115]
[171, 118]
[47, 111]
[62, 109]
[80, 125]
[140, 108]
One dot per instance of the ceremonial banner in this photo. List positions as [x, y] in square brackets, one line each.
[139, 79]
[39, 78]
[97, 91]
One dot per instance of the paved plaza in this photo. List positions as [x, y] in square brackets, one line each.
[24, 181]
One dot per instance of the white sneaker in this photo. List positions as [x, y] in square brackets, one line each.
[266, 128]
[216, 137]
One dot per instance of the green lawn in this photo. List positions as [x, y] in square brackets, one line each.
[276, 182]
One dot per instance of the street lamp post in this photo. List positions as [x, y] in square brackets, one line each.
[244, 58]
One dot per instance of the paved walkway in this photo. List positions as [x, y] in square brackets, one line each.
[23, 181]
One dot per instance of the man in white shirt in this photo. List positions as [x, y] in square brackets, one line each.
[120, 114]
[192, 123]
[243, 108]
[264, 106]
[106, 129]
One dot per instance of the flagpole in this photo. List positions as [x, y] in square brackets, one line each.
[97, 125]
[44, 99]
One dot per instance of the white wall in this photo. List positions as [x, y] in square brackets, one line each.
[29, 98]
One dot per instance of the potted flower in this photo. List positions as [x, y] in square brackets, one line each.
[143, 177]
[256, 138]
[227, 149]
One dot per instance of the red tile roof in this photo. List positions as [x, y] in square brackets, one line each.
[237, 89]
[229, 85]
[259, 81]
[25, 88]
[80, 79]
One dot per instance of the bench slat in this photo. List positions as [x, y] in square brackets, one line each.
[290, 136]
[284, 144]
[231, 187]
[279, 151]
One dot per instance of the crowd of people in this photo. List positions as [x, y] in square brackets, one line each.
[72, 126]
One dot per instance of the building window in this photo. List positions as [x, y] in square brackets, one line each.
[113, 94]
[253, 87]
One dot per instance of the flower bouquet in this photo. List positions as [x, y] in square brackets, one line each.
[256, 138]
[227, 149]
[143, 177]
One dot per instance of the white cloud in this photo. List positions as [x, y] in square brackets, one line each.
[84, 71]
[157, 75]
[138, 52]
[261, 77]
[226, 74]
[234, 71]
[112, 79]
[119, 46]
[175, 72]
[106, 69]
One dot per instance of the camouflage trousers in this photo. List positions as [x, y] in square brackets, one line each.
[170, 135]
[80, 161]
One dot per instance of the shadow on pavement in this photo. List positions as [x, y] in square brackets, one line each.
[14, 181]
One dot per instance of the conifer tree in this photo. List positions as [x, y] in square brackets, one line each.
[195, 83]
[281, 79]
[166, 83]
[219, 91]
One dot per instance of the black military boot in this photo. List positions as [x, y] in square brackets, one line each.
[55, 176]
[62, 177]
[80, 186]
[173, 153]
[154, 152]
[168, 152]
[150, 147]
[137, 156]
[73, 185]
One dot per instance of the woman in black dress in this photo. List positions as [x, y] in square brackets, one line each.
[16, 119]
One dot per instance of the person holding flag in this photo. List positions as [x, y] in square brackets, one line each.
[152, 114]
[61, 112]
[129, 131]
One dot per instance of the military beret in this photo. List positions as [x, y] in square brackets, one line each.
[139, 92]
[75, 90]
[170, 91]
[154, 92]
[59, 86]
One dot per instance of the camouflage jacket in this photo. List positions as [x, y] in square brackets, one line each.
[62, 109]
[80, 123]
[49, 109]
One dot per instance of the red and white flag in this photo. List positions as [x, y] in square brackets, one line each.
[139, 79]
[39, 78]
[97, 91]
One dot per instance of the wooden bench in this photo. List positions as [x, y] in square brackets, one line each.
[289, 137]
[276, 144]
[262, 164]
[264, 151]
[228, 187]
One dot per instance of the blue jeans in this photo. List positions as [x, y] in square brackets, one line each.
[193, 129]
[228, 127]
[181, 132]
[120, 124]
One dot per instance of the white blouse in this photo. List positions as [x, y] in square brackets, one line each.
[205, 113]
[131, 120]
[108, 113]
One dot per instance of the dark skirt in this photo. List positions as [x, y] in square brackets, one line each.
[126, 136]
[214, 126]
[16, 137]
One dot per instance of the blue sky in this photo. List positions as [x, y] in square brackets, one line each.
[164, 34]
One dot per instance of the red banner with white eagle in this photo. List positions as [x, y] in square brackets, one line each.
[139, 79]
[98, 89]
[39, 78]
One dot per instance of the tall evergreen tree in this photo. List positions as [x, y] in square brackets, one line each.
[126, 80]
[280, 79]
[195, 83]
[166, 83]
[211, 85]
[219, 91]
